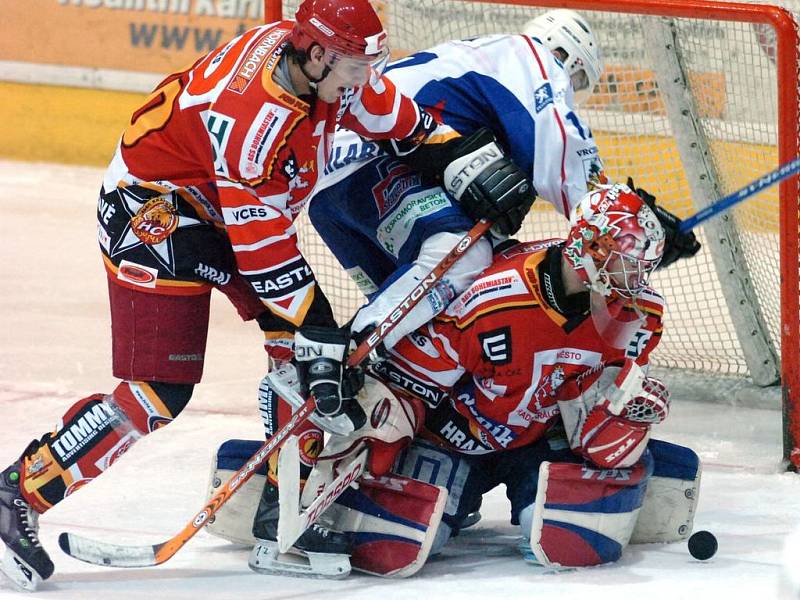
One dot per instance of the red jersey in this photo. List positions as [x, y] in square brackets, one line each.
[245, 154]
[502, 349]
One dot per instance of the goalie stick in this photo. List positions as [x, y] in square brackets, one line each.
[119, 555]
[293, 521]
[754, 187]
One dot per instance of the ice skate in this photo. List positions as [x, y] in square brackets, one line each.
[318, 553]
[25, 562]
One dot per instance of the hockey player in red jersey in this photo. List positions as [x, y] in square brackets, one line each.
[551, 342]
[202, 193]
[534, 377]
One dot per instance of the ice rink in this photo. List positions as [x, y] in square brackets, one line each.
[56, 349]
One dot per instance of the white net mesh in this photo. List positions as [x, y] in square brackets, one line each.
[733, 82]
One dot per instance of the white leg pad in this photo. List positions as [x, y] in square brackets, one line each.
[234, 521]
[668, 509]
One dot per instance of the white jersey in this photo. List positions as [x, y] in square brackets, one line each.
[509, 83]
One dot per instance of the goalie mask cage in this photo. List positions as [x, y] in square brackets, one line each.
[697, 98]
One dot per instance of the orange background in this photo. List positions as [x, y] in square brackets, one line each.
[58, 32]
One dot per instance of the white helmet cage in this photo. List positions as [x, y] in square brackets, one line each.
[568, 35]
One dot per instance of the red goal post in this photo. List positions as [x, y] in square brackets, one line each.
[697, 98]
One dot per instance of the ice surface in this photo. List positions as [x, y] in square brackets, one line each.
[55, 349]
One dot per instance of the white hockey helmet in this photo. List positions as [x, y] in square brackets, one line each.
[568, 35]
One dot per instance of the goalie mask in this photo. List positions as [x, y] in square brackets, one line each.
[350, 33]
[615, 243]
[567, 35]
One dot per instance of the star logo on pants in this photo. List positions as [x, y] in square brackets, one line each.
[151, 225]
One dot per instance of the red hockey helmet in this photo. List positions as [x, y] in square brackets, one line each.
[349, 31]
[615, 241]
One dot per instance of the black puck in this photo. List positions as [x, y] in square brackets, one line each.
[702, 545]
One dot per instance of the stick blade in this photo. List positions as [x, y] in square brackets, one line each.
[106, 554]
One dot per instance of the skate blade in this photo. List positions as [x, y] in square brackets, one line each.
[265, 559]
[19, 573]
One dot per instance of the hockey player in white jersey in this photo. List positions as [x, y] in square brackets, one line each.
[385, 221]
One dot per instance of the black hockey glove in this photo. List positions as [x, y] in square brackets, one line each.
[319, 354]
[676, 244]
[487, 183]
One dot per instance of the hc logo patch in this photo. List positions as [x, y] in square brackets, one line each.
[543, 96]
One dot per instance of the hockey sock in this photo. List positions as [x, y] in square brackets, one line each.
[93, 434]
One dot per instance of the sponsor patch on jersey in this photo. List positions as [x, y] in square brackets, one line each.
[395, 229]
[638, 343]
[242, 215]
[219, 129]
[212, 275]
[287, 278]
[363, 281]
[136, 274]
[155, 221]
[257, 57]
[396, 180]
[103, 238]
[260, 138]
[543, 96]
[487, 289]
[496, 345]
[355, 151]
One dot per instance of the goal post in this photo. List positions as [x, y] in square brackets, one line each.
[697, 99]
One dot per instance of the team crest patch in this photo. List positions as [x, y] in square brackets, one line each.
[155, 221]
[310, 445]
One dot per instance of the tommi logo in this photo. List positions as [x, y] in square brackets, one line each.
[74, 438]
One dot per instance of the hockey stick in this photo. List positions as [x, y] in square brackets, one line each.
[117, 555]
[293, 521]
[784, 171]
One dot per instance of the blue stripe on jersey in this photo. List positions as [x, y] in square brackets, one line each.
[420, 58]
[495, 107]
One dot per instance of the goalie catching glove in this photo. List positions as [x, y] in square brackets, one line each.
[320, 353]
[608, 420]
[677, 244]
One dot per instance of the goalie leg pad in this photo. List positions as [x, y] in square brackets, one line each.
[392, 521]
[667, 513]
[234, 521]
[585, 516]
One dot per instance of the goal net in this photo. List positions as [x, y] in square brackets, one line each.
[697, 99]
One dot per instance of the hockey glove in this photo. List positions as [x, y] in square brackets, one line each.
[487, 183]
[320, 354]
[677, 244]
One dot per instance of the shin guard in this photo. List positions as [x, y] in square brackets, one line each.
[90, 437]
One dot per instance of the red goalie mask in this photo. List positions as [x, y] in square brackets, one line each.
[615, 241]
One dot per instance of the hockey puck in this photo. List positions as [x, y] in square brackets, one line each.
[702, 545]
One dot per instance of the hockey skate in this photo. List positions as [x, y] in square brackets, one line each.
[25, 562]
[318, 553]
